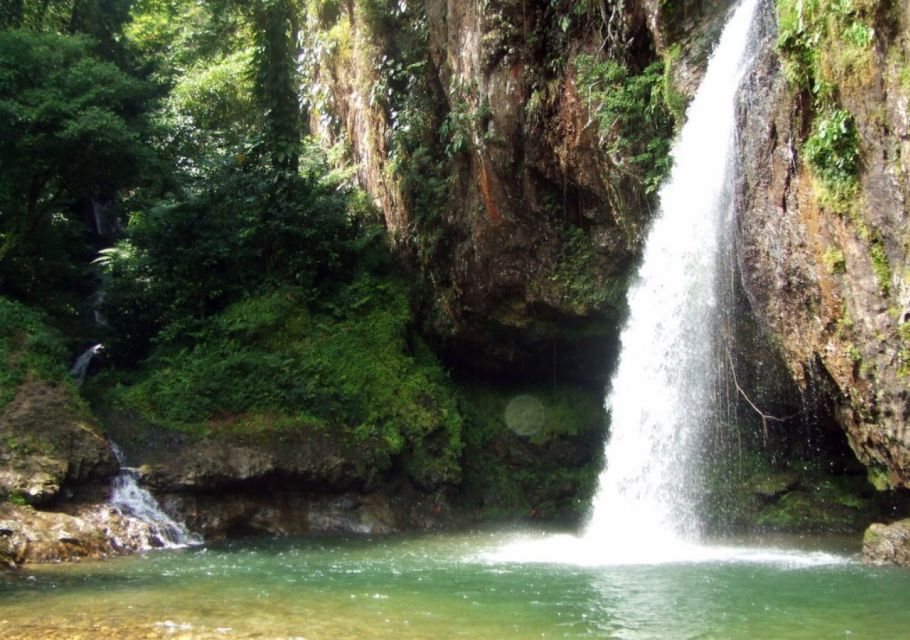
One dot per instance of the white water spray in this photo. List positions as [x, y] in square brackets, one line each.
[158, 529]
[80, 367]
[660, 396]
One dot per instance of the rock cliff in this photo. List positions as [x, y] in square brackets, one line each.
[823, 233]
[474, 128]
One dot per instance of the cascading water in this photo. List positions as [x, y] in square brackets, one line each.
[661, 393]
[158, 529]
[148, 525]
[80, 367]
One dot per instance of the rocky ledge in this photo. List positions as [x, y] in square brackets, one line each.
[56, 469]
[48, 441]
[91, 530]
[299, 482]
[887, 544]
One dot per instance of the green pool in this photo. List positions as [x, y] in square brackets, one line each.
[476, 585]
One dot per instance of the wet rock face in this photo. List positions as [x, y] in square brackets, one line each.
[691, 27]
[281, 511]
[830, 287]
[305, 458]
[294, 483]
[92, 530]
[529, 252]
[48, 442]
[887, 544]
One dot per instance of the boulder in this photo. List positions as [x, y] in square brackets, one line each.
[885, 544]
[90, 531]
[49, 441]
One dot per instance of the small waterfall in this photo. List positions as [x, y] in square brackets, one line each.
[80, 367]
[661, 394]
[159, 530]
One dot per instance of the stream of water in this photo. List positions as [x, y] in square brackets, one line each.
[661, 393]
[133, 500]
[453, 586]
[660, 396]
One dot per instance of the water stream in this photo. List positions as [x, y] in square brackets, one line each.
[79, 370]
[661, 393]
[660, 396]
[130, 499]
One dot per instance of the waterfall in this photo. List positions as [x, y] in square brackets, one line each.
[660, 397]
[159, 529]
[80, 366]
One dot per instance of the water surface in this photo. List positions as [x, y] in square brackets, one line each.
[452, 586]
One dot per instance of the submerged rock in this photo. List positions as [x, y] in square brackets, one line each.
[887, 544]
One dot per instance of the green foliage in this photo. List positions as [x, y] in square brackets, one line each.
[880, 263]
[674, 100]
[29, 349]
[825, 44]
[424, 137]
[17, 499]
[550, 473]
[173, 36]
[578, 278]
[828, 47]
[69, 131]
[903, 331]
[347, 364]
[634, 120]
[752, 492]
[833, 149]
[101, 20]
[211, 109]
[276, 77]
[834, 261]
[246, 229]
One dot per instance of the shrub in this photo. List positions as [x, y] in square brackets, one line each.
[347, 363]
[833, 148]
[29, 348]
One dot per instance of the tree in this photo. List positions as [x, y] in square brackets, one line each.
[277, 78]
[69, 130]
[102, 20]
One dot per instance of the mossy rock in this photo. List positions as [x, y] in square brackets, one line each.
[770, 486]
[49, 440]
[512, 470]
[278, 365]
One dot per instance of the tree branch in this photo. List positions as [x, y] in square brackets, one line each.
[765, 417]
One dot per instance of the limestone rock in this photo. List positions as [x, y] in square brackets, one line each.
[48, 441]
[887, 544]
[90, 531]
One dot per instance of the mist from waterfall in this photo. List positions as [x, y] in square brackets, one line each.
[660, 397]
